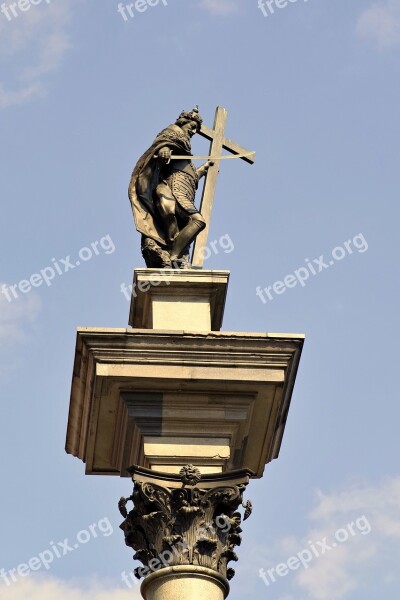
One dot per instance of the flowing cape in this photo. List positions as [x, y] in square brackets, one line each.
[145, 178]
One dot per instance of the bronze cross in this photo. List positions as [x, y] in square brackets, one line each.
[218, 143]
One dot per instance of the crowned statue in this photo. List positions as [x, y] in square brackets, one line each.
[162, 193]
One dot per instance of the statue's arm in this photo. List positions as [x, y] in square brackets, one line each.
[164, 154]
[201, 171]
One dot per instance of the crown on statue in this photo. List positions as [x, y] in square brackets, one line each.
[192, 116]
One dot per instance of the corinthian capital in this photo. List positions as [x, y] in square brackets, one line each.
[185, 519]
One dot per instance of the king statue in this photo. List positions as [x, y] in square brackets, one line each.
[162, 193]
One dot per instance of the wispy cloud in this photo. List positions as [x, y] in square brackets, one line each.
[32, 46]
[381, 23]
[219, 7]
[354, 565]
[48, 589]
[14, 317]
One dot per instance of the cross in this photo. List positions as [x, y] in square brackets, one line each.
[218, 143]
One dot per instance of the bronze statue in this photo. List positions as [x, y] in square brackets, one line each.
[162, 192]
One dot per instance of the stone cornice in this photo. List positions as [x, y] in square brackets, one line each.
[249, 376]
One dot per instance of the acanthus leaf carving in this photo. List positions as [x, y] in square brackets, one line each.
[171, 526]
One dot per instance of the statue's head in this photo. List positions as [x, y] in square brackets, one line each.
[190, 121]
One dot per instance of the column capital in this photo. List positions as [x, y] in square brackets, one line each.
[185, 519]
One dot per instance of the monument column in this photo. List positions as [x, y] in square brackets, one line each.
[189, 412]
[184, 529]
[176, 583]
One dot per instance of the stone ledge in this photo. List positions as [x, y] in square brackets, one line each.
[129, 385]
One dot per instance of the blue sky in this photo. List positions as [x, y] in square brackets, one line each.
[314, 88]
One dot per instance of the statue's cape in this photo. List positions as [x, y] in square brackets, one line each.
[145, 178]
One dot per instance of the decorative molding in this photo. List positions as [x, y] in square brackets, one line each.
[130, 385]
[186, 525]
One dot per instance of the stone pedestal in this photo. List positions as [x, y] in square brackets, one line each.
[178, 299]
[191, 414]
[162, 399]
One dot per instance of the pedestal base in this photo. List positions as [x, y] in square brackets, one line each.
[162, 399]
[185, 582]
[178, 299]
[156, 399]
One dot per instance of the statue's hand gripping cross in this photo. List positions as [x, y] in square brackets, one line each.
[218, 143]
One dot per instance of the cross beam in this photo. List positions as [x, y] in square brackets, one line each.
[218, 143]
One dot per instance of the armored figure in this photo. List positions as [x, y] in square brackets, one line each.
[162, 192]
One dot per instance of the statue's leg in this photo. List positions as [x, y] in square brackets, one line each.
[166, 206]
[185, 237]
[154, 254]
[184, 261]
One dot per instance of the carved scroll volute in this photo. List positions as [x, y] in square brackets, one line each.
[190, 525]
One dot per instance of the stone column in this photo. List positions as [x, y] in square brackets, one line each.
[184, 529]
[185, 582]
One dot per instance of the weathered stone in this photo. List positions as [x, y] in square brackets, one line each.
[185, 582]
[144, 396]
[172, 300]
[185, 520]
